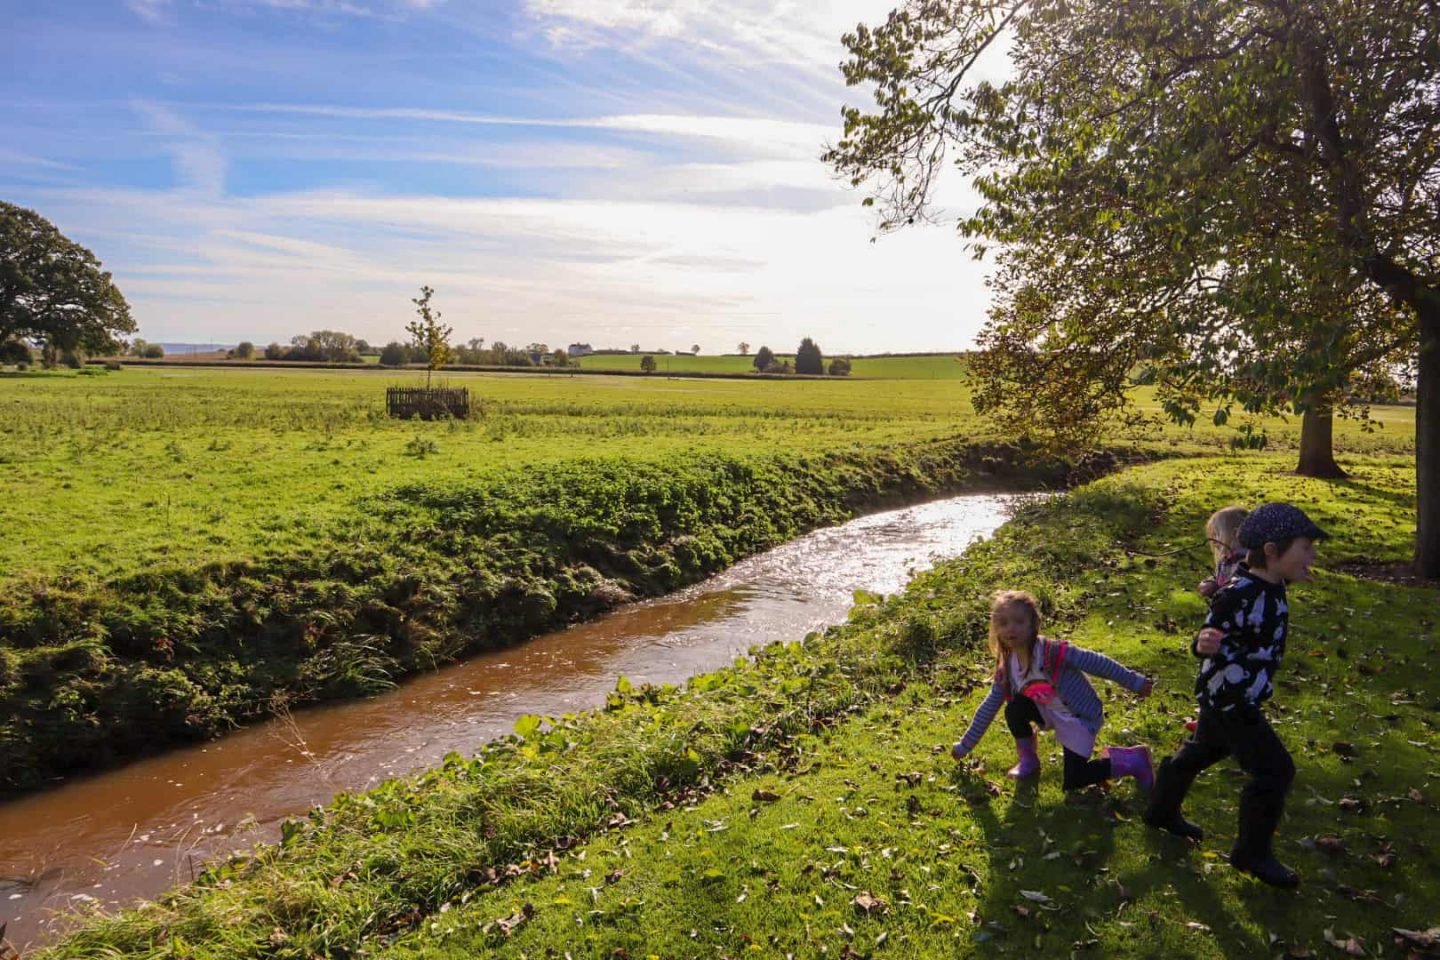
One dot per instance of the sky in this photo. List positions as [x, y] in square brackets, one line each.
[603, 171]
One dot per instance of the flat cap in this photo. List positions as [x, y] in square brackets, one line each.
[1274, 522]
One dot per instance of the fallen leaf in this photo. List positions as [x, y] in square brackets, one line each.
[867, 903]
[1035, 896]
[1330, 844]
[1417, 939]
[764, 796]
[1351, 946]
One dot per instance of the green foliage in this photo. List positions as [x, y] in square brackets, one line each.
[15, 352]
[53, 291]
[244, 350]
[808, 359]
[428, 334]
[839, 367]
[764, 359]
[393, 354]
[647, 363]
[1199, 193]
[803, 800]
[323, 346]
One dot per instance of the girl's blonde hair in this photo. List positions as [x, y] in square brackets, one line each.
[1222, 528]
[1014, 598]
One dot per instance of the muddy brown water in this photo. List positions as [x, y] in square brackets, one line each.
[120, 837]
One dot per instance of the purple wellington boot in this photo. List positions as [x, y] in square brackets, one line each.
[1029, 764]
[1132, 762]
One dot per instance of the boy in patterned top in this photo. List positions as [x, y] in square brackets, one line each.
[1240, 648]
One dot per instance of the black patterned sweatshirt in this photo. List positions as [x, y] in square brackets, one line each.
[1254, 617]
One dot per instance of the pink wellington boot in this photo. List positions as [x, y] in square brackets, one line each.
[1029, 764]
[1132, 762]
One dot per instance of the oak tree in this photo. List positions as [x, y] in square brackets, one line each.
[1234, 200]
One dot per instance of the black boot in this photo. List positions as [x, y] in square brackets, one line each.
[1265, 868]
[1259, 816]
[1164, 809]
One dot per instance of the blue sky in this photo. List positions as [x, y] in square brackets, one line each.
[609, 171]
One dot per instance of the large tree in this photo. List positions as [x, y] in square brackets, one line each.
[808, 358]
[53, 291]
[1236, 199]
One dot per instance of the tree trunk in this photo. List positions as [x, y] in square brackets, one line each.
[1427, 440]
[1317, 444]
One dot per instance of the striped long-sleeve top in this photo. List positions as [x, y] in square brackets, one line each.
[1074, 689]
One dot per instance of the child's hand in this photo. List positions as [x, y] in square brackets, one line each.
[959, 751]
[1207, 587]
[1146, 688]
[1207, 642]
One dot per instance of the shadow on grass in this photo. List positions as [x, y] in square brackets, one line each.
[1051, 886]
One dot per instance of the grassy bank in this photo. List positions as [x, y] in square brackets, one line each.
[91, 673]
[802, 803]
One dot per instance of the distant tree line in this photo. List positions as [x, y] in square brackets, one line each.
[475, 353]
[808, 360]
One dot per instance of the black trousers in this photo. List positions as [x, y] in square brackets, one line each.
[1245, 734]
[1022, 716]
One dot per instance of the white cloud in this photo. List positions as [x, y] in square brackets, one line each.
[521, 269]
[798, 32]
[155, 11]
[757, 132]
[199, 163]
[9, 157]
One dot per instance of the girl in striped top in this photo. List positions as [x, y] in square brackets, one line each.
[1043, 686]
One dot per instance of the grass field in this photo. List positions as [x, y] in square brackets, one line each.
[948, 367]
[803, 804]
[108, 474]
[183, 546]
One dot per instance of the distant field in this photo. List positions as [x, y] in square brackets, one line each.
[104, 474]
[947, 367]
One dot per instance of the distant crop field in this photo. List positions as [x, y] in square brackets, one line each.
[104, 474]
[109, 473]
[948, 367]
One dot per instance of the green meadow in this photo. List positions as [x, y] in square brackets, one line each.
[189, 547]
[111, 473]
[802, 803]
[104, 474]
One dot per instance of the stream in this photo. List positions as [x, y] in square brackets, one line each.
[129, 834]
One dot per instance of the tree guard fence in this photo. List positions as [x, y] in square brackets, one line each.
[407, 403]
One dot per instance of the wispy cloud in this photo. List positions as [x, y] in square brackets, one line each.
[153, 11]
[9, 157]
[199, 163]
[756, 131]
[803, 34]
[280, 165]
